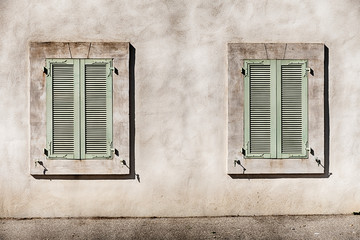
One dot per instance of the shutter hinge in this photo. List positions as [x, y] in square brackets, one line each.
[110, 69]
[243, 71]
[309, 70]
[244, 149]
[115, 151]
[308, 148]
[46, 152]
[46, 71]
[113, 69]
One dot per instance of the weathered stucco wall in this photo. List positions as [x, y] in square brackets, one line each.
[180, 106]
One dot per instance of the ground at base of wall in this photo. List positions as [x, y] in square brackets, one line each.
[259, 227]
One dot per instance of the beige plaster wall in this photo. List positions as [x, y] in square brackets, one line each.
[180, 106]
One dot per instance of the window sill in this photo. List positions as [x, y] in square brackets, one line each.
[80, 167]
[276, 166]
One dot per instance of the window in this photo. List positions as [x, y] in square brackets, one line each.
[79, 108]
[75, 131]
[275, 109]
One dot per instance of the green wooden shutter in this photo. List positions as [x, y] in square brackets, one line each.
[292, 109]
[63, 108]
[96, 108]
[260, 108]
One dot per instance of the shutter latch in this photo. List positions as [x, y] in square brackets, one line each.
[42, 164]
[238, 162]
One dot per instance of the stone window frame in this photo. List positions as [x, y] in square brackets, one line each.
[40, 165]
[314, 53]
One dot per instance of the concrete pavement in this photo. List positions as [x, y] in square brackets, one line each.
[252, 227]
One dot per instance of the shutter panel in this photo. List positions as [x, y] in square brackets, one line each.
[260, 108]
[62, 109]
[292, 105]
[97, 109]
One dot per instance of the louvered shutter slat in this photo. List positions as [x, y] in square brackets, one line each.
[260, 124]
[259, 119]
[293, 110]
[97, 110]
[63, 108]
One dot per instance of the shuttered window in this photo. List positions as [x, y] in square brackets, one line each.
[275, 100]
[79, 108]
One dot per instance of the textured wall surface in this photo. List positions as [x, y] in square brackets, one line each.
[180, 106]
